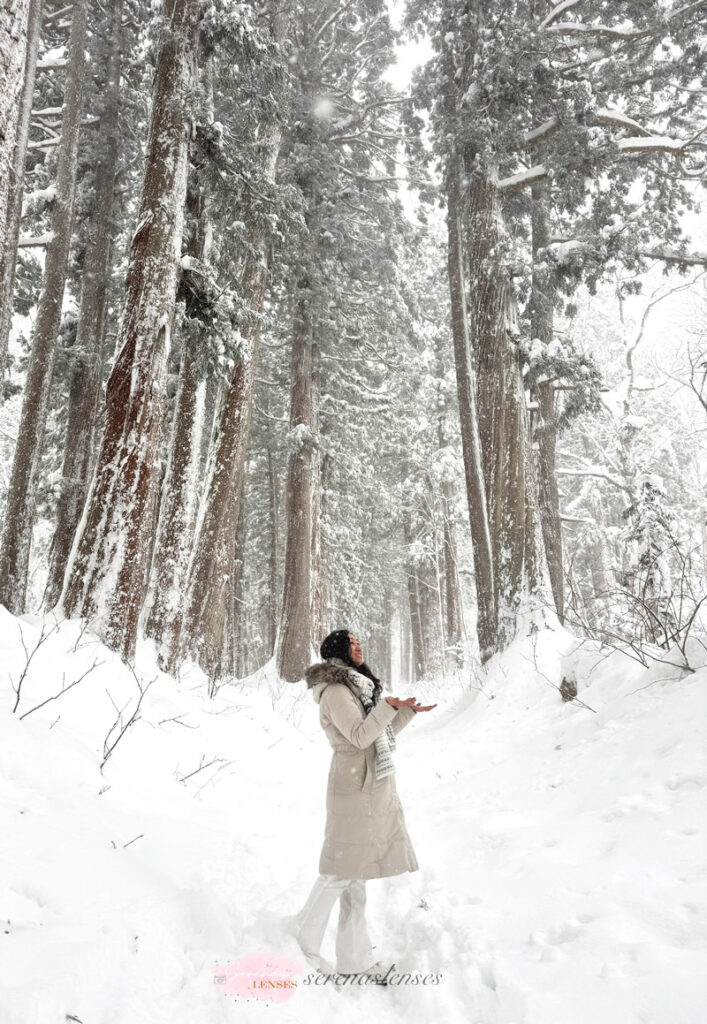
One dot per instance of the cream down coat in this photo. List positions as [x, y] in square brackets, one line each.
[365, 834]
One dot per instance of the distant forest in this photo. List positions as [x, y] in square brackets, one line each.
[286, 347]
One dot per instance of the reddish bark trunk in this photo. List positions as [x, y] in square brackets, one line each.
[178, 507]
[86, 372]
[294, 654]
[107, 577]
[468, 416]
[503, 417]
[274, 554]
[211, 576]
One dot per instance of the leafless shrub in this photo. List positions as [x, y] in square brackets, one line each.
[120, 726]
[29, 655]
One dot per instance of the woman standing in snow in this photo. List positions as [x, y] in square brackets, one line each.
[365, 834]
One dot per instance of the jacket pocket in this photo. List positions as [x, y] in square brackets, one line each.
[348, 771]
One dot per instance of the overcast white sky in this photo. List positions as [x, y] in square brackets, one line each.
[410, 55]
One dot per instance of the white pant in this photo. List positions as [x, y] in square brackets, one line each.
[353, 947]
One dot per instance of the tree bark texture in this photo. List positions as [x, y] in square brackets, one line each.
[469, 421]
[503, 417]
[20, 512]
[451, 592]
[87, 351]
[317, 469]
[294, 644]
[12, 165]
[178, 511]
[210, 576]
[14, 18]
[211, 573]
[107, 576]
[241, 648]
[274, 558]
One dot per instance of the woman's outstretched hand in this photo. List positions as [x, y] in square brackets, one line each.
[410, 702]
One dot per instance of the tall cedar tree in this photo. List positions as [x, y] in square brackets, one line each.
[108, 572]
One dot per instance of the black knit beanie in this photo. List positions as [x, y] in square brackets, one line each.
[337, 645]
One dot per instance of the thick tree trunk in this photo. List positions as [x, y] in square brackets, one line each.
[317, 469]
[12, 166]
[324, 581]
[178, 511]
[273, 561]
[237, 631]
[293, 655]
[468, 416]
[541, 325]
[86, 370]
[107, 576]
[178, 507]
[19, 516]
[14, 19]
[450, 589]
[211, 576]
[503, 416]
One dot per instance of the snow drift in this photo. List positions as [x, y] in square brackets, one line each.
[562, 849]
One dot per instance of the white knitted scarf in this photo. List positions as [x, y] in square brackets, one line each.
[385, 743]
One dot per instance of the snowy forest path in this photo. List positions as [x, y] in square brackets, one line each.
[423, 922]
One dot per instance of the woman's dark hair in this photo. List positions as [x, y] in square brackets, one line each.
[336, 645]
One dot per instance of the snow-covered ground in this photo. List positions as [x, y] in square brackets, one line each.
[563, 867]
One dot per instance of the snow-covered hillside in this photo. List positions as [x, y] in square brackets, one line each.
[563, 867]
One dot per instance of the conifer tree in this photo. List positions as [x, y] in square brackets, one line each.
[20, 511]
[107, 574]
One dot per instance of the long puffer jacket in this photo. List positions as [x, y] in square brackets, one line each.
[365, 833]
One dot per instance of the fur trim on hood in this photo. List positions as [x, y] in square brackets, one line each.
[322, 673]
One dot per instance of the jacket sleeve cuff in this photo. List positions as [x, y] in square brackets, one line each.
[383, 713]
[403, 718]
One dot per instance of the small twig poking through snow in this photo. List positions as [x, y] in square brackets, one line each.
[84, 627]
[64, 689]
[175, 719]
[216, 760]
[118, 723]
[42, 637]
[133, 840]
[213, 687]
[213, 777]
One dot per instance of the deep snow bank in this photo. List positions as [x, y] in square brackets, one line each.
[562, 850]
